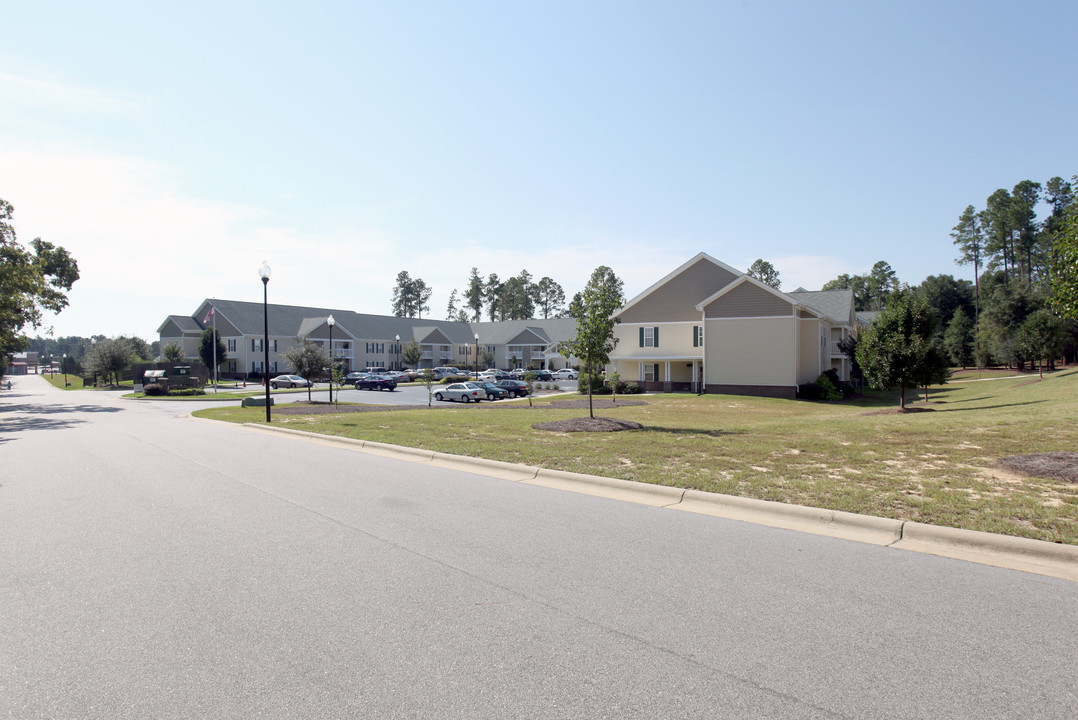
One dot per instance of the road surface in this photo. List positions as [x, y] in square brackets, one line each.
[157, 566]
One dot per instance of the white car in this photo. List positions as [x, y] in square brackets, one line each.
[566, 374]
[465, 392]
[289, 381]
[488, 376]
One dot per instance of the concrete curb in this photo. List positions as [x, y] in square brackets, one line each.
[818, 521]
[1014, 553]
[1017, 553]
[627, 490]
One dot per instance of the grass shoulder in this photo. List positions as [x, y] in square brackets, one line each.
[936, 465]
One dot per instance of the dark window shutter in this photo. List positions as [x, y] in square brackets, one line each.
[641, 337]
[656, 337]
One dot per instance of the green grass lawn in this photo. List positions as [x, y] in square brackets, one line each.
[57, 379]
[936, 465]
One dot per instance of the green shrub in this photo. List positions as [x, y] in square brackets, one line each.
[155, 390]
[630, 389]
[828, 384]
[809, 391]
[186, 392]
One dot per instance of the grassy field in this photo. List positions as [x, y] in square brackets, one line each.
[936, 464]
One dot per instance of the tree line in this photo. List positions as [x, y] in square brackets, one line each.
[520, 297]
[1021, 307]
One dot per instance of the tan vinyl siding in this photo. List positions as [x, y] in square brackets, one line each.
[810, 352]
[750, 352]
[675, 340]
[675, 301]
[748, 300]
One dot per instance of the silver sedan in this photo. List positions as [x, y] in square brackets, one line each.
[465, 392]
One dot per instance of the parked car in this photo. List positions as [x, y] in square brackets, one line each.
[289, 381]
[493, 391]
[350, 378]
[566, 374]
[488, 376]
[540, 375]
[465, 392]
[376, 382]
[515, 387]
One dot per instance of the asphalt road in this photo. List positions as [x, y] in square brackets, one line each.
[156, 566]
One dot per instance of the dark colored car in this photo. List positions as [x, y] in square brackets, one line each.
[514, 387]
[542, 375]
[493, 391]
[376, 382]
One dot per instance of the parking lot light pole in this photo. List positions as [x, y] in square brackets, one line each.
[331, 322]
[264, 273]
[398, 353]
[64, 361]
[477, 356]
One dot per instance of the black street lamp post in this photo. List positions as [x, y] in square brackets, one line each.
[264, 273]
[476, 361]
[332, 363]
[65, 369]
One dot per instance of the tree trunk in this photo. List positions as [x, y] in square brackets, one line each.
[902, 398]
[587, 369]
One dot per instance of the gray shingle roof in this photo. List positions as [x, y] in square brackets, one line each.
[835, 305]
[296, 321]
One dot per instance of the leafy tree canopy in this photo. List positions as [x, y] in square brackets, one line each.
[895, 350]
[32, 281]
[595, 340]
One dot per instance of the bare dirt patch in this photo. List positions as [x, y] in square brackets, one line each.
[588, 424]
[1061, 465]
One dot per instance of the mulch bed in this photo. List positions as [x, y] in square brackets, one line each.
[588, 424]
[1062, 465]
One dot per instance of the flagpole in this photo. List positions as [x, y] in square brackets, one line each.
[214, 309]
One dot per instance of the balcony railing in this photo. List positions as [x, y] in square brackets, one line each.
[835, 349]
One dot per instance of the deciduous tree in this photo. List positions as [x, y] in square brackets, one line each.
[308, 359]
[893, 349]
[32, 281]
[1040, 338]
[594, 340]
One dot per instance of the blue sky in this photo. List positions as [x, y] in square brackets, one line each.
[173, 148]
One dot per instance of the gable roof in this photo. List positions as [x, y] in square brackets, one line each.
[183, 323]
[698, 278]
[748, 280]
[835, 305]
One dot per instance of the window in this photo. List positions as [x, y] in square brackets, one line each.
[697, 335]
[232, 365]
[232, 346]
[273, 346]
[649, 337]
[256, 366]
[256, 344]
[273, 368]
[651, 372]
